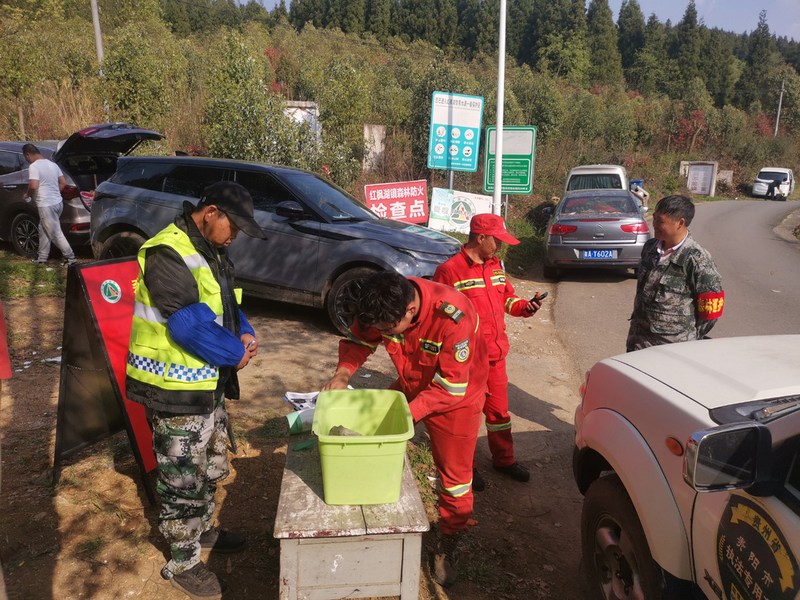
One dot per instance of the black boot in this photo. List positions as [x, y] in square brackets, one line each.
[445, 560]
[198, 583]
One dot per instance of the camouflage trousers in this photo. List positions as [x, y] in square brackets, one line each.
[192, 455]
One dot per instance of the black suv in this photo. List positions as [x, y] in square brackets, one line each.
[320, 240]
[86, 158]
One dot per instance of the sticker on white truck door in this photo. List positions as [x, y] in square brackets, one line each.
[753, 557]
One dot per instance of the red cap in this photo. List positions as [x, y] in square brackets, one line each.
[489, 224]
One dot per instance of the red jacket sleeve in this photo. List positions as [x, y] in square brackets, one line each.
[448, 388]
[356, 348]
[514, 305]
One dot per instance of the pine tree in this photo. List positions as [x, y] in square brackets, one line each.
[255, 11]
[445, 18]
[176, 15]
[719, 66]
[335, 11]
[315, 11]
[488, 27]
[652, 66]
[414, 20]
[606, 64]
[279, 13]
[630, 27]
[687, 44]
[353, 16]
[377, 18]
[225, 13]
[559, 39]
[468, 24]
[762, 58]
[518, 18]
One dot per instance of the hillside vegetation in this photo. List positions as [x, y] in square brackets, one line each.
[213, 76]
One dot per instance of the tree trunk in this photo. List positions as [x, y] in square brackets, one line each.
[21, 117]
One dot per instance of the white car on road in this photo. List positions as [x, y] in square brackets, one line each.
[782, 177]
[688, 456]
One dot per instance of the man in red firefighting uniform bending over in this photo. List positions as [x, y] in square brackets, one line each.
[430, 333]
[480, 276]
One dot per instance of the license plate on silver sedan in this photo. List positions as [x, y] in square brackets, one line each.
[598, 254]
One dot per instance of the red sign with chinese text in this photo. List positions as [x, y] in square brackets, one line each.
[110, 291]
[405, 201]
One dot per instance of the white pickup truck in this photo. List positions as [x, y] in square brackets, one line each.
[688, 456]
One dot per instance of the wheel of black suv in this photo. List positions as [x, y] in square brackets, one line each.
[342, 297]
[616, 555]
[119, 245]
[25, 235]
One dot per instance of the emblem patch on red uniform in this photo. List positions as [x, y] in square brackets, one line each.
[710, 305]
[461, 351]
[451, 311]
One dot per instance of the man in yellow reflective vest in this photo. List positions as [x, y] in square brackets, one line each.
[188, 340]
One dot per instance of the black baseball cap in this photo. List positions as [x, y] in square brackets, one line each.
[235, 201]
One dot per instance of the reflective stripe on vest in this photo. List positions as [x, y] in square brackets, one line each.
[154, 357]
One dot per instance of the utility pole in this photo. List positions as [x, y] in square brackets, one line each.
[501, 83]
[780, 103]
[98, 38]
[98, 42]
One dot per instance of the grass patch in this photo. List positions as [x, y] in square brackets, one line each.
[91, 546]
[528, 253]
[421, 460]
[275, 427]
[19, 278]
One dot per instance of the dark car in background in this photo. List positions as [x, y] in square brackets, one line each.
[86, 158]
[320, 240]
[593, 229]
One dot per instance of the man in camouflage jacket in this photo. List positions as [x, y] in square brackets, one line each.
[679, 294]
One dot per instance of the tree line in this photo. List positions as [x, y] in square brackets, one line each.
[214, 76]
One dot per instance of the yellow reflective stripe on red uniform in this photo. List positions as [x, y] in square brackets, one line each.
[468, 284]
[498, 280]
[498, 426]
[457, 490]
[361, 342]
[511, 302]
[455, 389]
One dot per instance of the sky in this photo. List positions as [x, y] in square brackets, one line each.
[738, 16]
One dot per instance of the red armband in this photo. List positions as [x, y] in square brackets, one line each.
[710, 305]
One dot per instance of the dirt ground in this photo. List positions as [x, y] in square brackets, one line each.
[94, 536]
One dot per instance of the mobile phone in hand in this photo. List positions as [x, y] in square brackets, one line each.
[539, 297]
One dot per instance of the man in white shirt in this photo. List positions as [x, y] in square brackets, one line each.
[45, 183]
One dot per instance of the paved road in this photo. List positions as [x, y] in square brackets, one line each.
[760, 266]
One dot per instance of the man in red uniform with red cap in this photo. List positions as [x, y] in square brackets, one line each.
[430, 333]
[479, 274]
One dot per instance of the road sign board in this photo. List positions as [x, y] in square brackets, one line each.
[519, 147]
[455, 132]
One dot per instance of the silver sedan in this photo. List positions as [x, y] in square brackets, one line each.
[591, 229]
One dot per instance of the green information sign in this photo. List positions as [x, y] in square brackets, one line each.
[519, 146]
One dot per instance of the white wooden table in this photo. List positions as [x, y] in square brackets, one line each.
[332, 552]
